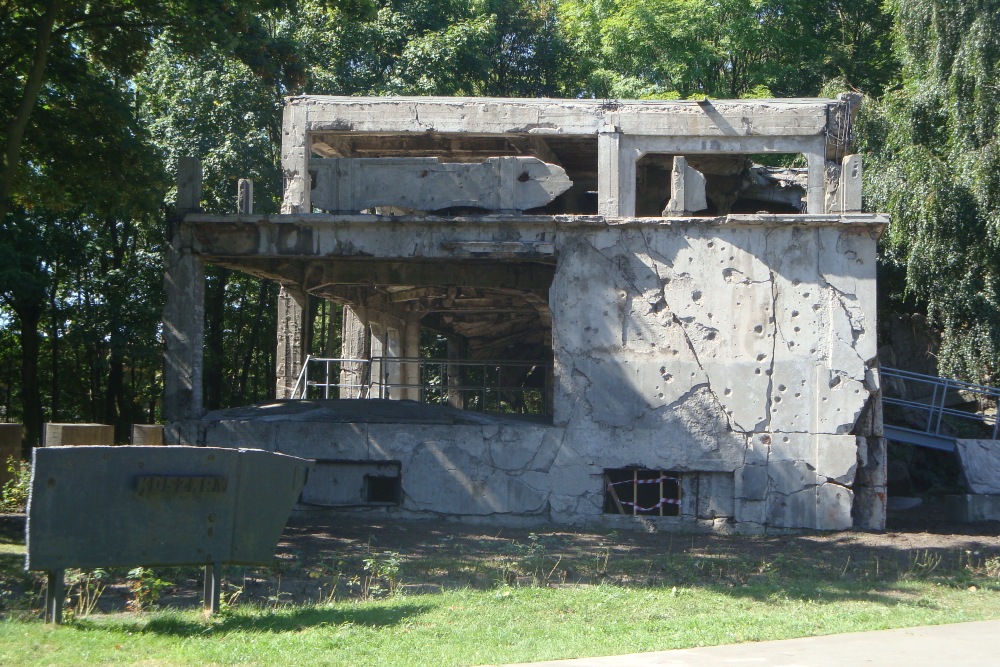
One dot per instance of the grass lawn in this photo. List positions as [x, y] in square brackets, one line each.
[517, 599]
[470, 627]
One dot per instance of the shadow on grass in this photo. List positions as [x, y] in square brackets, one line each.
[287, 619]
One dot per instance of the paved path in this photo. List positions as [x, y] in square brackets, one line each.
[957, 645]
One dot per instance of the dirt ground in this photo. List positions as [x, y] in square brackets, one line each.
[325, 556]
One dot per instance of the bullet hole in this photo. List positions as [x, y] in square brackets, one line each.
[728, 391]
[796, 329]
[711, 244]
[796, 282]
[785, 439]
[660, 395]
[710, 335]
[761, 357]
[795, 313]
[834, 381]
[781, 387]
[759, 328]
[668, 377]
[767, 372]
[777, 399]
[523, 178]
[663, 369]
[798, 395]
[756, 371]
[696, 295]
[766, 439]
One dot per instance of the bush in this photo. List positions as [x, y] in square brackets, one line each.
[15, 492]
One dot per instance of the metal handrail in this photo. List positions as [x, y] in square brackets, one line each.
[303, 383]
[937, 390]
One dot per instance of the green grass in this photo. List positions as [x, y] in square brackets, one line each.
[506, 624]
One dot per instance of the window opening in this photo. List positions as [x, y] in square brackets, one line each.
[642, 492]
[382, 489]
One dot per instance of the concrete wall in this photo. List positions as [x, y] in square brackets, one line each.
[737, 353]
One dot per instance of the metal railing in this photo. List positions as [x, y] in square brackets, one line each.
[324, 370]
[931, 403]
[484, 386]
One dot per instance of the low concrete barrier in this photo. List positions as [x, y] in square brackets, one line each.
[62, 435]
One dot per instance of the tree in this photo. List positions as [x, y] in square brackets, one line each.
[726, 48]
[933, 156]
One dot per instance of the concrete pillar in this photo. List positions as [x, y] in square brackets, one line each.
[849, 189]
[184, 308]
[244, 196]
[411, 350]
[457, 351]
[62, 435]
[10, 448]
[354, 344]
[147, 434]
[687, 190]
[616, 161]
[816, 184]
[295, 160]
[292, 339]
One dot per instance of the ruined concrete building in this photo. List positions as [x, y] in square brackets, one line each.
[635, 321]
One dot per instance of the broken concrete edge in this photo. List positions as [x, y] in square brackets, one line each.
[754, 219]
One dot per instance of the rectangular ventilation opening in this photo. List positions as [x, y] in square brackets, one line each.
[642, 492]
[382, 490]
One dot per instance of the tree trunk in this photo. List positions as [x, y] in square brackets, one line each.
[31, 400]
[14, 132]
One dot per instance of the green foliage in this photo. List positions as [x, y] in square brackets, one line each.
[145, 587]
[14, 494]
[727, 48]
[934, 165]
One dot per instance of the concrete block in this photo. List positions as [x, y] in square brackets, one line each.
[974, 507]
[687, 190]
[833, 507]
[329, 441]
[251, 434]
[147, 434]
[61, 435]
[751, 511]
[715, 495]
[837, 458]
[424, 184]
[794, 510]
[751, 482]
[980, 460]
[787, 477]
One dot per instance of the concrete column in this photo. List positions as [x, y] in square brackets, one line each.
[411, 350]
[616, 160]
[816, 186]
[354, 344]
[295, 159]
[184, 308]
[457, 351]
[849, 188]
[292, 339]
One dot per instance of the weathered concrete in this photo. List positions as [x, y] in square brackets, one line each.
[61, 435]
[425, 184]
[735, 353]
[687, 191]
[974, 507]
[147, 434]
[980, 460]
